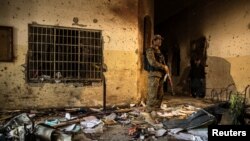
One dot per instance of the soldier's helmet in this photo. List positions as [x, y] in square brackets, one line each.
[157, 36]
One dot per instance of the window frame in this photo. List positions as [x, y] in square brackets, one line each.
[77, 78]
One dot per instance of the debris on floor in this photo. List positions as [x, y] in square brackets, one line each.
[184, 122]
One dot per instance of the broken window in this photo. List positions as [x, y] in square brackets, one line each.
[61, 54]
[6, 43]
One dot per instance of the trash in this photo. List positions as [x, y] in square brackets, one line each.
[124, 122]
[112, 116]
[164, 106]
[15, 122]
[142, 137]
[135, 113]
[109, 122]
[175, 130]
[132, 105]
[151, 130]
[44, 132]
[47, 133]
[160, 132]
[67, 116]
[201, 132]
[132, 130]
[124, 116]
[29, 134]
[69, 128]
[186, 136]
[52, 122]
[97, 129]
[90, 122]
[197, 119]
[17, 133]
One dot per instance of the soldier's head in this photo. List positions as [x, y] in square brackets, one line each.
[157, 40]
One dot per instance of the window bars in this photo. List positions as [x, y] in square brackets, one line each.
[60, 54]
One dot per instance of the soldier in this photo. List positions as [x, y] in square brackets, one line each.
[197, 77]
[157, 70]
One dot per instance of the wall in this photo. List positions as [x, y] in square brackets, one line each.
[146, 9]
[226, 26]
[118, 21]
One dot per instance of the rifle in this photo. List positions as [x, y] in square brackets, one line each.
[167, 75]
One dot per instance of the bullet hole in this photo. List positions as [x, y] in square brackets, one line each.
[18, 8]
[136, 51]
[75, 20]
[18, 87]
[117, 88]
[43, 20]
[95, 20]
[124, 28]
[5, 68]
[28, 14]
[62, 3]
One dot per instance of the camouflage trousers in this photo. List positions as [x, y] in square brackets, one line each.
[155, 93]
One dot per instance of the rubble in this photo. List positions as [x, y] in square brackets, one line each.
[92, 124]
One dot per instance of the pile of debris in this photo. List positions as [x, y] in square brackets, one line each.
[184, 122]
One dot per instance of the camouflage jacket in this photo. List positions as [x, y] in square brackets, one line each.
[156, 61]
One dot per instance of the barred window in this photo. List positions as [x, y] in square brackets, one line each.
[61, 54]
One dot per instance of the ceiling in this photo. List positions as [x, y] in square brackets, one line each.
[164, 9]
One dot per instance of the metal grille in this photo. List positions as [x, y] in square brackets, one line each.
[60, 54]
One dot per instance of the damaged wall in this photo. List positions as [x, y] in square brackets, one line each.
[118, 21]
[146, 11]
[225, 24]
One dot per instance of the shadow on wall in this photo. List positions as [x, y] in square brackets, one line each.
[219, 82]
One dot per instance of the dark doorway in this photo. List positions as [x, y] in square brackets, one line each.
[198, 57]
[147, 28]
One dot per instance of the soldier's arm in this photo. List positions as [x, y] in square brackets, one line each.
[152, 61]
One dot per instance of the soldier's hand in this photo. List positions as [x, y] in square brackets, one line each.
[166, 69]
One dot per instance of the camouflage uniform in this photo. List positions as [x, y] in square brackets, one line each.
[155, 78]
